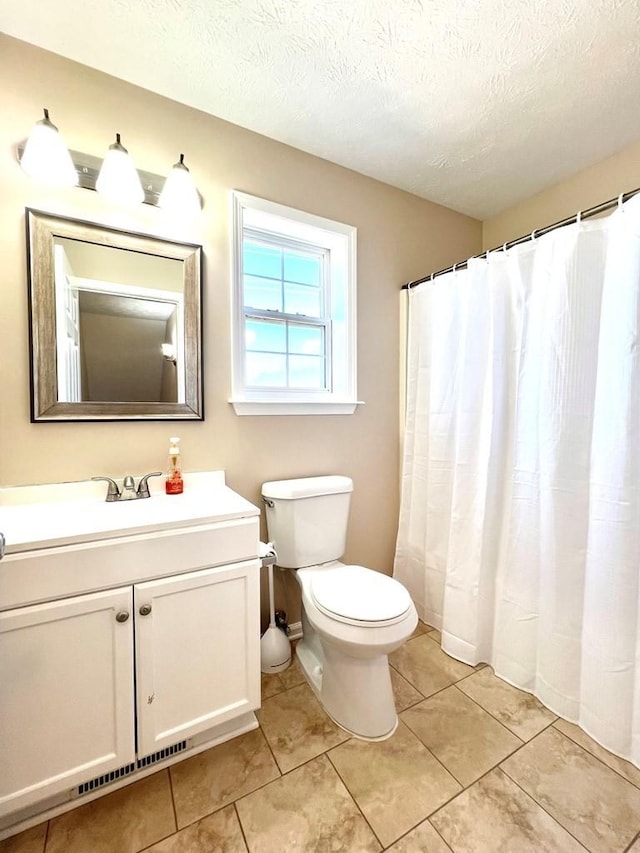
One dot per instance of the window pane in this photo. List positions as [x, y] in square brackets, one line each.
[265, 370]
[261, 260]
[265, 336]
[306, 340]
[262, 293]
[306, 371]
[302, 269]
[301, 299]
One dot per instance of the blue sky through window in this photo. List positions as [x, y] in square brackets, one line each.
[281, 352]
[262, 260]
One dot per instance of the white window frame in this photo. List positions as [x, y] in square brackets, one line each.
[285, 226]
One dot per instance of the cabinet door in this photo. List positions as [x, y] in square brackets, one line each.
[66, 695]
[197, 652]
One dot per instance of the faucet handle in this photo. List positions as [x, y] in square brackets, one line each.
[143, 485]
[113, 492]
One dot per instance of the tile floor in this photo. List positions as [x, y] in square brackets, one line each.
[474, 767]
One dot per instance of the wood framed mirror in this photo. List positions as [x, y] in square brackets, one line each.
[115, 323]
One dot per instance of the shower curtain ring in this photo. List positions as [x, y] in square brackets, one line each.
[533, 236]
[578, 217]
[620, 200]
[504, 247]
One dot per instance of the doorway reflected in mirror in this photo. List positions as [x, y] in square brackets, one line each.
[114, 311]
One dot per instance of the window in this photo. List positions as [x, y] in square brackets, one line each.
[294, 311]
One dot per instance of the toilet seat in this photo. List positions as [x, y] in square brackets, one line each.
[359, 596]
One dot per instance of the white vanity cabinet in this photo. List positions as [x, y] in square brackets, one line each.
[123, 651]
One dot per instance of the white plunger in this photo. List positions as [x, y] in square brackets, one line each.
[275, 648]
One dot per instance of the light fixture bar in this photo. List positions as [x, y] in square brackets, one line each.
[88, 168]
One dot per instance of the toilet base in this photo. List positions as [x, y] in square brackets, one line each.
[355, 692]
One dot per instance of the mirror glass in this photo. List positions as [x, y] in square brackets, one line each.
[115, 320]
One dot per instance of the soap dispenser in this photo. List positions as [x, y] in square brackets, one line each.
[174, 484]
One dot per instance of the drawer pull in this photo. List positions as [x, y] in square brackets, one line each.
[145, 610]
[122, 616]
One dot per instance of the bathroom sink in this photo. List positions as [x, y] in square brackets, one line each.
[35, 517]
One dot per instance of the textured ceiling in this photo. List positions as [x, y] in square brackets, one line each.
[474, 104]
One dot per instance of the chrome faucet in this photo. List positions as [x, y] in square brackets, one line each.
[129, 491]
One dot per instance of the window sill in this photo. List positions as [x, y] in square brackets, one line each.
[294, 407]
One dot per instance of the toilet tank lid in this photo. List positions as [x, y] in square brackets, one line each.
[307, 487]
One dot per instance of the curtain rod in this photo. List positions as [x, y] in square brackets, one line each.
[537, 232]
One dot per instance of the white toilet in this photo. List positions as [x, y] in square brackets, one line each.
[352, 617]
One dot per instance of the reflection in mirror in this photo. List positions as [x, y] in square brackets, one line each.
[114, 311]
[115, 323]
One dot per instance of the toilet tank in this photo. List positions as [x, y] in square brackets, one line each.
[307, 519]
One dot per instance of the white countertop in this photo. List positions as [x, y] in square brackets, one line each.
[35, 517]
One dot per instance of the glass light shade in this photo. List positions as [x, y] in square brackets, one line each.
[179, 196]
[46, 158]
[118, 181]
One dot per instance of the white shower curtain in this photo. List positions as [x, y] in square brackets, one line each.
[519, 530]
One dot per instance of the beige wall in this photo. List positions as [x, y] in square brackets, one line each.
[586, 188]
[399, 237]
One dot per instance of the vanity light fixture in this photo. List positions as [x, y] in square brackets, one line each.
[169, 352]
[118, 180]
[179, 194]
[46, 157]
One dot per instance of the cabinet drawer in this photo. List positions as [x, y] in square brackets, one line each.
[34, 576]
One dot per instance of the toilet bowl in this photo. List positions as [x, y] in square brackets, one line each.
[344, 654]
[352, 616]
